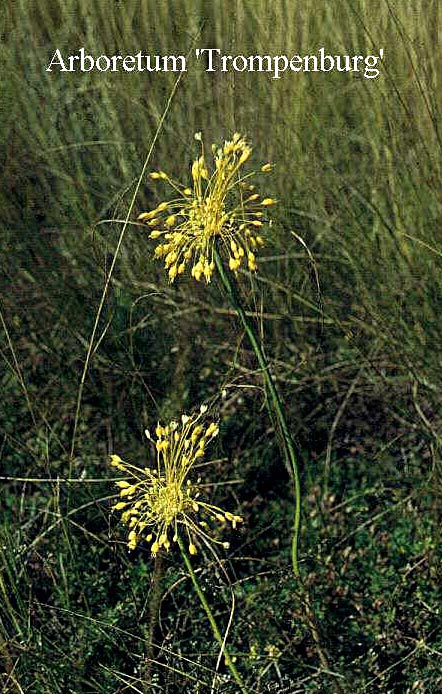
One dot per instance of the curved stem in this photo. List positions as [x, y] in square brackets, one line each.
[274, 404]
[216, 632]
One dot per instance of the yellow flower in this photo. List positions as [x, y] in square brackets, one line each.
[220, 206]
[162, 502]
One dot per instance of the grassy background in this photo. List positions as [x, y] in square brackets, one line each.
[358, 177]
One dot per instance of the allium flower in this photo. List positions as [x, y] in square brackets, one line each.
[158, 503]
[221, 204]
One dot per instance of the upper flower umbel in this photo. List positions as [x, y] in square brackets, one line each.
[220, 204]
[160, 502]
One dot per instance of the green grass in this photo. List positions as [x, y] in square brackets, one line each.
[358, 178]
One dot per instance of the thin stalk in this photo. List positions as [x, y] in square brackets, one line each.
[216, 632]
[154, 605]
[277, 414]
[274, 404]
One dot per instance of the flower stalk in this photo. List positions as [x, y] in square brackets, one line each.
[154, 606]
[274, 403]
[216, 632]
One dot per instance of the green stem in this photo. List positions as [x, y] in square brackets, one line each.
[216, 632]
[274, 404]
[277, 415]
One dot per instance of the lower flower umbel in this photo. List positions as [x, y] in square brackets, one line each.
[162, 502]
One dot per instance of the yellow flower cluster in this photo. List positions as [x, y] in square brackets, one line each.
[220, 205]
[158, 503]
